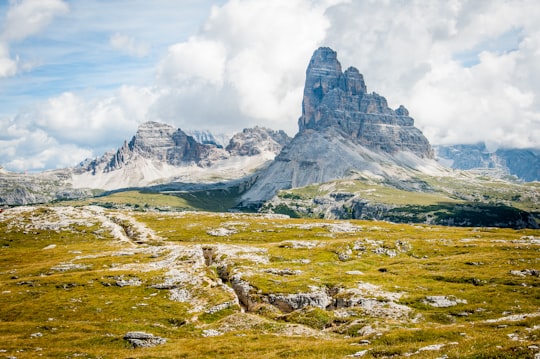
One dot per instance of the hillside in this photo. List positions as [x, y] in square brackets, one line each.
[89, 282]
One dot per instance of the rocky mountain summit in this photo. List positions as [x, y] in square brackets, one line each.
[257, 140]
[339, 100]
[522, 163]
[343, 129]
[161, 142]
[159, 153]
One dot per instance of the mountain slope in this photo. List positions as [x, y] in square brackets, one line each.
[343, 129]
[159, 153]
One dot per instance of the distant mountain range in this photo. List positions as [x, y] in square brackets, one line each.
[521, 163]
[345, 133]
[160, 153]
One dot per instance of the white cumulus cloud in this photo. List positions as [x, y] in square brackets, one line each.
[247, 63]
[468, 71]
[67, 129]
[23, 19]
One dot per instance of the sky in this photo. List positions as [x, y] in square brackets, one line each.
[78, 77]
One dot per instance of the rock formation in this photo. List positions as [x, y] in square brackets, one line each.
[343, 129]
[340, 100]
[160, 153]
[257, 140]
[206, 137]
[163, 143]
[522, 163]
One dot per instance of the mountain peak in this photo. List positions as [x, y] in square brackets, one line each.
[339, 100]
[343, 130]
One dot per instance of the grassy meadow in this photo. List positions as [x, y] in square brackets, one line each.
[75, 279]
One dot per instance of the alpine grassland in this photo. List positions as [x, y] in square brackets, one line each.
[74, 279]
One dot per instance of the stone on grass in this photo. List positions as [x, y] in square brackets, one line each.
[441, 301]
[143, 340]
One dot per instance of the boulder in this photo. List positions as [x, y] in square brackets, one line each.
[143, 340]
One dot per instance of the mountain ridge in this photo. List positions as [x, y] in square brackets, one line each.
[353, 157]
[343, 129]
[159, 153]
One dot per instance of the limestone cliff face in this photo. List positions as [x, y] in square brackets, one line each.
[340, 100]
[160, 153]
[343, 130]
[257, 140]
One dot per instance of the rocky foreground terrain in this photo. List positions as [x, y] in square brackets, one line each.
[95, 283]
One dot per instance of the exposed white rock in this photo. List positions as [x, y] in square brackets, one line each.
[441, 301]
[211, 333]
[290, 302]
[358, 354]
[514, 317]
[221, 232]
[299, 244]
[143, 339]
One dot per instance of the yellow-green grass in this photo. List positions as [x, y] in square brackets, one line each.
[82, 313]
[136, 199]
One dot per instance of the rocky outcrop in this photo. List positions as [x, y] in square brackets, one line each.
[257, 140]
[522, 163]
[340, 100]
[343, 130]
[290, 302]
[143, 340]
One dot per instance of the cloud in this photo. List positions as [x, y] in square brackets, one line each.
[67, 129]
[197, 60]
[128, 45]
[28, 17]
[8, 67]
[36, 150]
[23, 19]
[247, 62]
[468, 70]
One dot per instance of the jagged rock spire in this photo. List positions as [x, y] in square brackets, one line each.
[339, 100]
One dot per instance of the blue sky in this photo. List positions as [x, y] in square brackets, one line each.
[74, 52]
[77, 77]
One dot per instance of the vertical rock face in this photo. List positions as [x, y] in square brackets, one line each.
[161, 142]
[340, 100]
[343, 130]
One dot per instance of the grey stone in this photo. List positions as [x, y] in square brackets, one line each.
[290, 302]
[333, 98]
[343, 129]
[522, 163]
[440, 301]
[143, 339]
